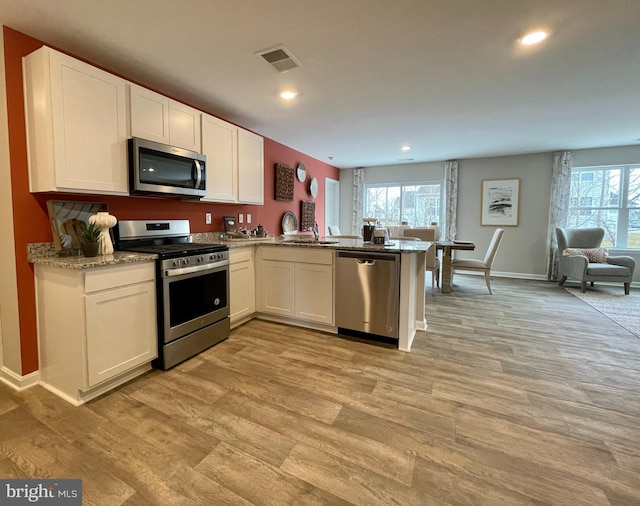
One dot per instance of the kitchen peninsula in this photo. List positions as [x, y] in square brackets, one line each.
[295, 281]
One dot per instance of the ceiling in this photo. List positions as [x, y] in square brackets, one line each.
[443, 76]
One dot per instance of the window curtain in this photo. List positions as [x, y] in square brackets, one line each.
[558, 206]
[358, 201]
[450, 199]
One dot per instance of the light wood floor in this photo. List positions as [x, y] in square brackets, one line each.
[528, 396]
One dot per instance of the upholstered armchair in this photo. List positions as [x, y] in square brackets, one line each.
[581, 257]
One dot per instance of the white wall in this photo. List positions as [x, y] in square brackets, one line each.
[523, 249]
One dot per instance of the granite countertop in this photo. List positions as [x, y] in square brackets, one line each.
[307, 241]
[43, 253]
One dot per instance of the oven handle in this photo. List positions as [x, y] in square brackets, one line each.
[180, 271]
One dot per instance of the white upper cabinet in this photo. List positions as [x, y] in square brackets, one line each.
[235, 162]
[76, 119]
[184, 126]
[158, 118]
[149, 114]
[220, 145]
[250, 168]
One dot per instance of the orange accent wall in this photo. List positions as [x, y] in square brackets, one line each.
[31, 222]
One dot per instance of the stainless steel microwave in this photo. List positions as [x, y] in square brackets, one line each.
[160, 169]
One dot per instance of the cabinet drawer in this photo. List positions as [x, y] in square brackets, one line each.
[237, 256]
[112, 277]
[299, 255]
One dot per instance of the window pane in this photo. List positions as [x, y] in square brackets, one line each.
[383, 203]
[633, 199]
[421, 204]
[596, 188]
[633, 239]
[417, 204]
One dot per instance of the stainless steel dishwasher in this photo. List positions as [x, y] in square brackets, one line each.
[368, 292]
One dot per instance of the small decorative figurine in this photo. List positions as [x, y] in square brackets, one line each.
[104, 221]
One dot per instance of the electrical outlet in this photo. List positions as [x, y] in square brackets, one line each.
[241, 218]
[248, 218]
[207, 219]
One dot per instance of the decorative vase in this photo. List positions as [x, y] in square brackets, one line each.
[104, 221]
[89, 249]
[438, 231]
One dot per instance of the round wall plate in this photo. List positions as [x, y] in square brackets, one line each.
[301, 172]
[313, 187]
[289, 223]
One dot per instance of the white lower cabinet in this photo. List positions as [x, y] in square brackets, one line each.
[296, 283]
[242, 284]
[313, 292]
[97, 327]
[277, 280]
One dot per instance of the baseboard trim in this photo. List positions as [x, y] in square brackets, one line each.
[500, 274]
[18, 382]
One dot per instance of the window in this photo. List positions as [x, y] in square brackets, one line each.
[417, 203]
[607, 197]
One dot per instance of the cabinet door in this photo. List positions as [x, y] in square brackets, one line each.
[276, 288]
[184, 126]
[314, 293]
[77, 125]
[242, 288]
[121, 330]
[220, 145]
[250, 168]
[149, 114]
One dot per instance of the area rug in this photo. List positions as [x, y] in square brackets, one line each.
[611, 302]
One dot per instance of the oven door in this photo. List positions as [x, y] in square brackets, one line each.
[193, 298]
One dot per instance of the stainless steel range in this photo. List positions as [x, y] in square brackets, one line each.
[192, 282]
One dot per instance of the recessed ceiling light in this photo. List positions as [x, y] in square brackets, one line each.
[288, 94]
[405, 148]
[534, 37]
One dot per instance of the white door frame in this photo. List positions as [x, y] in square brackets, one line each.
[331, 203]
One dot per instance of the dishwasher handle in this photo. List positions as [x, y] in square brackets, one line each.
[367, 257]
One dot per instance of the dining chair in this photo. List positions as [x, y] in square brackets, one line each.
[480, 265]
[433, 262]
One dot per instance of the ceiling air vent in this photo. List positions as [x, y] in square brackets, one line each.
[280, 58]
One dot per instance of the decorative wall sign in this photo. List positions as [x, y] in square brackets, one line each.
[500, 202]
[307, 215]
[285, 177]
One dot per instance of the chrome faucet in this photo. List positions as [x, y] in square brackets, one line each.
[316, 232]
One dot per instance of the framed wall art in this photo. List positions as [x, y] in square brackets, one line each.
[285, 177]
[307, 215]
[500, 202]
[67, 219]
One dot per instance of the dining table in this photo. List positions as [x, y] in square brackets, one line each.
[447, 248]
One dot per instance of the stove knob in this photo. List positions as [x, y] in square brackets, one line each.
[176, 263]
[200, 259]
[212, 257]
[185, 261]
